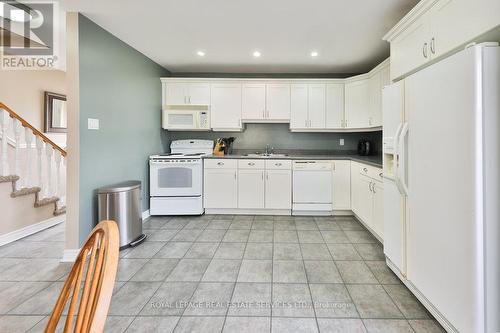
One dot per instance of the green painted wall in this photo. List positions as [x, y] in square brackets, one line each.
[120, 87]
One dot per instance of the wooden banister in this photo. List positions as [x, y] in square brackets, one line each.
[24, 123]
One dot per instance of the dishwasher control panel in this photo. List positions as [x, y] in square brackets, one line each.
[312, 165]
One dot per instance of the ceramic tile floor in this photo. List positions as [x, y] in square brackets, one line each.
[226, 273]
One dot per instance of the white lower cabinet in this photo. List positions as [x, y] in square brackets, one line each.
[341, 185]
[278, 189]
[367, 194]
[378, 208]
[251, 189]
[221, 188]
[248, 184]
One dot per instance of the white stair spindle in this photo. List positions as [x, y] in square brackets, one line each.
[28, 138]
[57, 159]
[39, 147]
[17, 153]
[4, 158]
[49, 151]
[62, 198]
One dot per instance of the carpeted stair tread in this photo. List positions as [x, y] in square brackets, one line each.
[9, 178]
[46, 201]
[25, 191]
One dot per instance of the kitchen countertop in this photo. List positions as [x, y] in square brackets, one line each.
[375, 160]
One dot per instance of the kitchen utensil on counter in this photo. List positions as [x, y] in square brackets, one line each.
[223, 146]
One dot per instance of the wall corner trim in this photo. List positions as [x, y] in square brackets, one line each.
[69, 255]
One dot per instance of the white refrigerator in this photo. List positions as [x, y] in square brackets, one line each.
[442, 187]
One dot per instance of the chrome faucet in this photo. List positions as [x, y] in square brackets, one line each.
[269, 150]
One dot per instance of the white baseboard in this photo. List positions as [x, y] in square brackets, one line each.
[69, 255]
[31, 229]
[145, 215]
[342, 212]
[237, 211]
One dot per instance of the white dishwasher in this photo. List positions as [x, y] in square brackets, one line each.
[312, 188]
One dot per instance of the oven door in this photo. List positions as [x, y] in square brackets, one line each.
[175, 178]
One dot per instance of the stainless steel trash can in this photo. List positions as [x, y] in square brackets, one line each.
[122, 203]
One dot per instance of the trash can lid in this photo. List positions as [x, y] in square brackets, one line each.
[120, 187]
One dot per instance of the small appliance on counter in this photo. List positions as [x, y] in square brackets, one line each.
[223, 146]
[176, 178]
[364, 147]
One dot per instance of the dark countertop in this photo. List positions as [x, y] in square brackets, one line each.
[375, 160]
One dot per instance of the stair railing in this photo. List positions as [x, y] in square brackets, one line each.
[49, 163]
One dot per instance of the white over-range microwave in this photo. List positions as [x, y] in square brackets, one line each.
[186, 119]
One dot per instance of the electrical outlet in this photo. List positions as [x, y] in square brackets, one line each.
[93, 124]
[341, 142]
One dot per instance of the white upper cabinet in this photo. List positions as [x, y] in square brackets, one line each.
[196, 93]
[278, 101]
[316, 106]
[435, 28]
[334, 105]
[357, 104]
[375, 111]
[175, 94]
[410, 49]
[253, 105]
[225, 112]
[309, 105]
[298, 106]
[266, 102]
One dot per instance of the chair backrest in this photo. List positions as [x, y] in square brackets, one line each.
[98, 259]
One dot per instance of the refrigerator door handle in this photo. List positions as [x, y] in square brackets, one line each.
[396, 159]
[401, 170]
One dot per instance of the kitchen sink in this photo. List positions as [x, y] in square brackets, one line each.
[265, 155]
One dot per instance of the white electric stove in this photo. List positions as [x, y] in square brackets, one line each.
[176, 178]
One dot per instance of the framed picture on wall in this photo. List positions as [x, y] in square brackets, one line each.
[56, 114]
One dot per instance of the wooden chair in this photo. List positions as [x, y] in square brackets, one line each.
[99, 257]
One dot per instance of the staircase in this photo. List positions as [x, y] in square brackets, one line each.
[31, 162]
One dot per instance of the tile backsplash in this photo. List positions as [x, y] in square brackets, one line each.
[278, 136]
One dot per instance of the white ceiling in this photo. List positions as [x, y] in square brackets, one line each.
[346, 33]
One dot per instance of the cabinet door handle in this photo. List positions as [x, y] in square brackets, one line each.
[381, 175]
[267, 175]
[251, 163]
[373, 188]
[433, 45]
[424, 50]
[365, 169]
[262, 174]
[278, 164]
[235, 177]
[220, 163]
